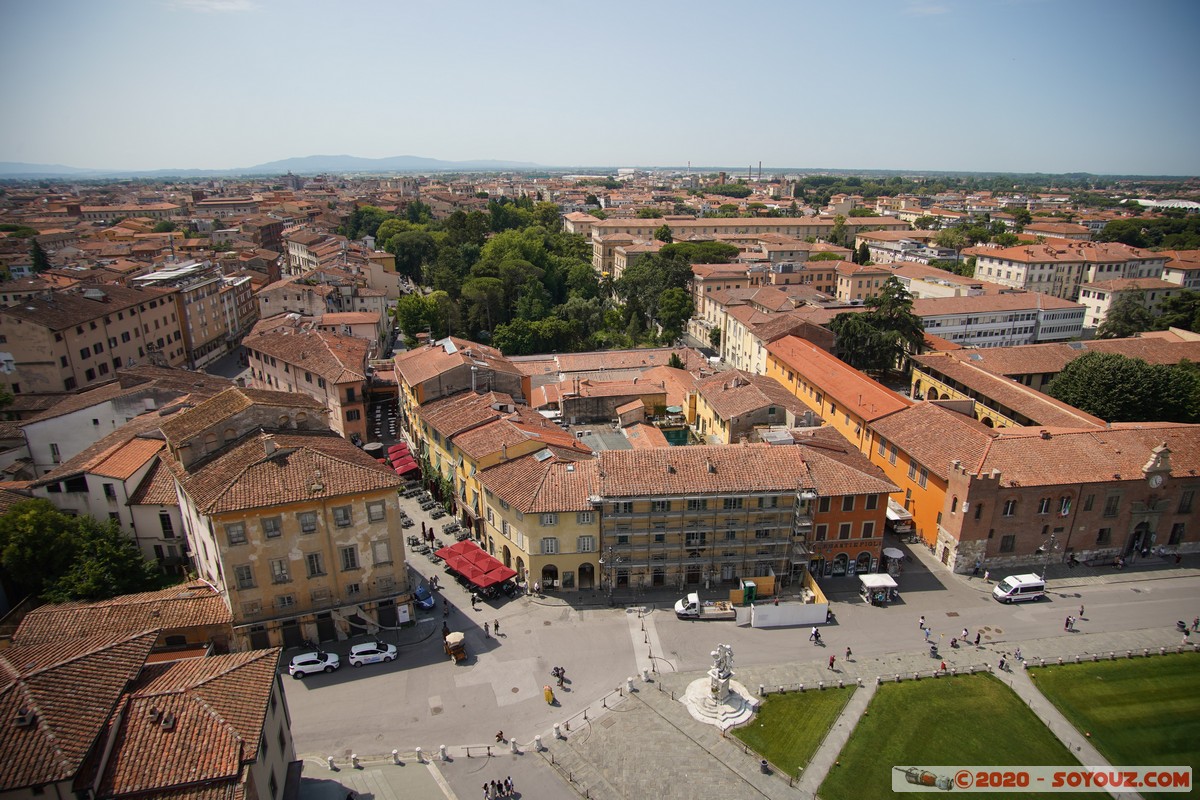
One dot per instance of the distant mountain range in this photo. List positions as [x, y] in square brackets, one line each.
[308, 165]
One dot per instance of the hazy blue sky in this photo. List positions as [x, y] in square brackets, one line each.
[1016, 85]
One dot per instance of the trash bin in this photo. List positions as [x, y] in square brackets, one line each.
[766, 768]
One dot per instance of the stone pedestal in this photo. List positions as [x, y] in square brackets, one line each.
[735, 707]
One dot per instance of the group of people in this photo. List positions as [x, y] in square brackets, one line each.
[494, 789]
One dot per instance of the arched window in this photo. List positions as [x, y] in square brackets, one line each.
[954, 504]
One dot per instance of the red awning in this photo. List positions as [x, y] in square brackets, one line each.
[398, 448]
[468, 560]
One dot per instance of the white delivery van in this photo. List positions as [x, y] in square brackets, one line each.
[1016, 588]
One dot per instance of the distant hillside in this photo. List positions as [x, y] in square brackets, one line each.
[312, 164]
[307, 165]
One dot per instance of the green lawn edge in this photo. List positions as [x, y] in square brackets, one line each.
[788, 728]
[967, 720]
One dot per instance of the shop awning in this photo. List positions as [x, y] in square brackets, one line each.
[467, 559]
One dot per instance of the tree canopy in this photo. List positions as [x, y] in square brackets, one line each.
[881, 337]
[59, 557]
[1127, 315]
[1120, 389]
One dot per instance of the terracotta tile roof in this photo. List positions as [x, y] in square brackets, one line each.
[492, 437]
[10, 497]
[134, 381]
[156, 489]
[224, 405]
[244, 477]
[678, 382]
[643, 437]
[1050, 358]
[1071, 251]
[989, 303]
[685, 470]
[71, 686]
[65, 310]
[459, 412]
[1040, 409]
[419, 365]
[186, 605]
[598, 360]
[735, 393]
[1132, 284]
[547, 486]
[934, 436]
[1024, 458]
[142, 428]
[219, 706]
[849, 388]
[336, 358]
[838, 468]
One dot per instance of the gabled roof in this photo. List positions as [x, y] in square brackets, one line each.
[423, 363]
[536, 485]
[304, 465]
[70, 687]
[848, 387]
[186, 424]
[336, 358]
[738, 468]
[118, 455]
[186, 605]
[218, 707]
[734, 393]
[934, 436]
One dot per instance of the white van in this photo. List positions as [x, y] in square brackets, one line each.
[1016, 588]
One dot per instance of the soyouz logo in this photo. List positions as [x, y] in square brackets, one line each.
[1040, 779]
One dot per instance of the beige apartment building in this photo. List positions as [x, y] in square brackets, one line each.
[298, 528]
[1059, 267]
[328, 367]
[72, 340]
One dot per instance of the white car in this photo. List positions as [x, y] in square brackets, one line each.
[316, 661]
[371, 652]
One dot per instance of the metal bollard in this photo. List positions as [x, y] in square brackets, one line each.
[629, 685]
[512, 745]
[557, 731]
[395, 756]
[537, 744]
[354, 759]
[1129, 654]
[762, 690]
[330, 760]
[442, 752]
[645, 676]
[897, 677]
[953, 671]
[801, 689]
[1145, 652]
[841, 684]
[916, 676]
[419, 759]
[821, 685]
[1060, 661]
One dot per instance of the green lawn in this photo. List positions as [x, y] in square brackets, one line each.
[1138, 711]
[968, 720]
[788, 727]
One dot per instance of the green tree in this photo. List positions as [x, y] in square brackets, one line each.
[729, 190]
[649, 213]
[863, 255]
[418, 213]
[859, 343]
[413, 249]
[863, 211]
[954, 238]
[837, 234]
[41, 261]
[547, 216]
[1180, 311]
[714, 338]
[1120, 389]
[663, 234]
[924, 222]
[1021, 217]
[675, 362]
[674, 311]
[60, 557]
[415, 313]
[591, 200]
[1127, 315]
[166, 226]
[826, 256]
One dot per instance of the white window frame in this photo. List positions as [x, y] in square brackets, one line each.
[585, 544]
[549, 545]
[549, 520]
[377, 511]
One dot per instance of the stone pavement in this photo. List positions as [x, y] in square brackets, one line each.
[647, 745]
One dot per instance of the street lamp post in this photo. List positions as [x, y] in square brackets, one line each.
[1049, 546]
[611, 563]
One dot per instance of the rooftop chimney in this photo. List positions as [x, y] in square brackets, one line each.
[269, 445]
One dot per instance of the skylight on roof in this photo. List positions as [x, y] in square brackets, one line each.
[542, 455]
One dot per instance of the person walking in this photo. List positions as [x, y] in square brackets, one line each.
[474, 600]
[987, 576]
[508, 785]
[1017, 655]
[445, 608]
[812, 634]
[943, 668]
[978, 636]
[496, 626]
[831, 659]
[1196, 623]
[964, 635]
[1067, 624]
[486, 792]
[848, 653]
[926, 632]
[1081, 611]
[1002, 663]
[921, 622]
[486, 635]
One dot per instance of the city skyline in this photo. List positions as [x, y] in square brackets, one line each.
[1007, 86]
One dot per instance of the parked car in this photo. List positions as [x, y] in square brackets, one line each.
[371, 652]
[315, 661]
[424, 597]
